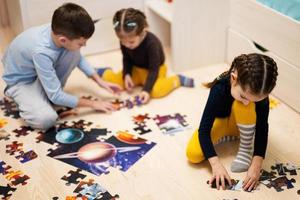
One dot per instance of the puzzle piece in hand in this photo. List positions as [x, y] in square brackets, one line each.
[118, 104]
[279, 168]
[280, 182]
[25, 157]
[14, 147]
[142, 129]
[129, 104]
[227, 186]
[23, 131]
[4, 169]
[6, 191]
[137, 100]
[10, 108]
[72, 178]
[265, 175]
[18, 179]
[4, 135]
[140, 118]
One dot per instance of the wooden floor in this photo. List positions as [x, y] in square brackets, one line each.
[163, 172]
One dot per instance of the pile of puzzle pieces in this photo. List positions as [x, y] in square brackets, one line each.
[277, 177]
[15, 177]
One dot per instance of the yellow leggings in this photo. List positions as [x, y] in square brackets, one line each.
[240, 114]
[162, 86]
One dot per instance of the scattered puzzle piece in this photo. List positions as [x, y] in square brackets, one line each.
[140, 118]
[10, 108]
[265, 175]
[14, 147]
[73, 177]
[279, 168]
[3, 122]
[171, 124]
[273, 103]
[6, 191]
[25, 157]
[4, 169]
[17, 178]
[280, 182]
[23, 131]
[142, 129]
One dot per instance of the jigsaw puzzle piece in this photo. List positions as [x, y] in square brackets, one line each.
[279, 168]
[17, 178]
[73, 177]
[4, 135]
[23, 131]
[14, 147]
[4, 168]
[280, 182]
[6, 191]
[27, 156]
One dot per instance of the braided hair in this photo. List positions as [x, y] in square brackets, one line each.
[129, 20]
[256, 72]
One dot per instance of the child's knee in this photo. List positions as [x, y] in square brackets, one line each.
[42, 121]
[193, 151]
[193, 155]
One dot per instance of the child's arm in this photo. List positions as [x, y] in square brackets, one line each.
[89, 71]
[111, 87]
[98, 105]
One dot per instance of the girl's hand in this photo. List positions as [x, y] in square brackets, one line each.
[103, 106]
[252, 178]
[144, 96]
[129, 85]
[219, 173]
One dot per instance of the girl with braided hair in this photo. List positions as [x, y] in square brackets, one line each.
[238, 105]
[143, 58]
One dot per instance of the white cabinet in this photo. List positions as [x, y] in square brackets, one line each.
[27, 13]
[194, 29]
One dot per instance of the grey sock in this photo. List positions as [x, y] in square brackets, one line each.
[244, 156]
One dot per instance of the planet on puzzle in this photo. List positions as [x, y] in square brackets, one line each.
[69, 136]
[96, 152]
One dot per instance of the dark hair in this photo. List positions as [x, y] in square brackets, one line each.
[72, 21]
[130, 20]
[255, 72]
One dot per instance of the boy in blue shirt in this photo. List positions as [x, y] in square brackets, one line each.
[39, 61]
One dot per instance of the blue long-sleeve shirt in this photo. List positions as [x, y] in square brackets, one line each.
[33, 54]
[219, 105]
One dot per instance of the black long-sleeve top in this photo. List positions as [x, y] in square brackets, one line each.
[219, 105]
[148, 55]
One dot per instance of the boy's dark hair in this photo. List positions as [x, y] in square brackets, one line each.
[256, 72]
[72, 21]
[129, 20]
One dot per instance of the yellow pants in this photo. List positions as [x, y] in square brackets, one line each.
[240, 114]
[162, 86]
